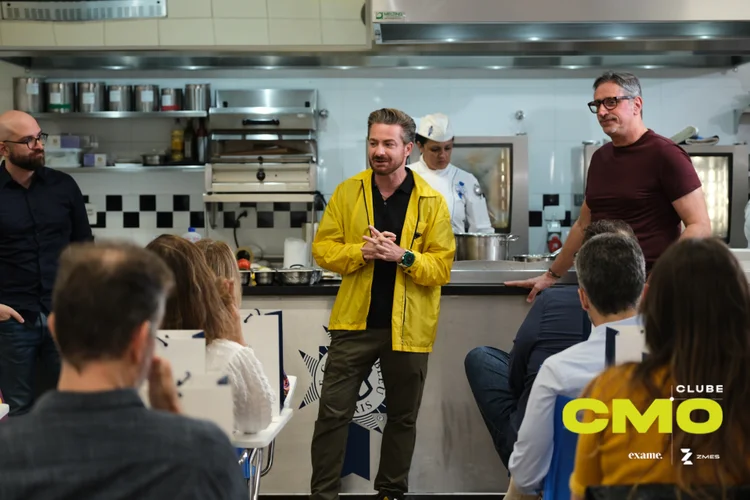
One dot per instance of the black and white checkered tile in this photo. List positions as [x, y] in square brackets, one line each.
[536, 217]
[181, 211]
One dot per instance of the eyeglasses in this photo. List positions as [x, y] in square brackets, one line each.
[610, 103]
[32, 141]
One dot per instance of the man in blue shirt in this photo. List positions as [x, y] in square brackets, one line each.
[41, 212]
[501, 382]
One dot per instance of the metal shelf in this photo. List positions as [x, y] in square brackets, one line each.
[122, 114]
[289, 197]
[176, 168]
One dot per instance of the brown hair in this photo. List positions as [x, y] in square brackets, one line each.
[200, 299]
[221, 260]
[390, 116]
[103, 293]
[697, 324]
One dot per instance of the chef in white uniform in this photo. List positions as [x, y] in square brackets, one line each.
[467, 206]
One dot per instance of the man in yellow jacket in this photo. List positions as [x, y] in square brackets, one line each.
[389, 235]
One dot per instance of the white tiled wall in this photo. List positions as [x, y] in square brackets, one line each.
[556, 117]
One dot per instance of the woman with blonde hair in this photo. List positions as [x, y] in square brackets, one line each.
[221, 260]
[201, 300]
[696, 316]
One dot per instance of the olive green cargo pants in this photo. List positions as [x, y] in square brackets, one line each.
[350, 359]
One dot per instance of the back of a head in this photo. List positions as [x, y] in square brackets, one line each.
[103, 293]
[611, 270]
[221, 260]
[605, 226]
[697, 319]
[196, 301]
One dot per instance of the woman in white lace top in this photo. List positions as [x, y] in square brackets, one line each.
[201, 300]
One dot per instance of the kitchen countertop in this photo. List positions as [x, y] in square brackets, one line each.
[331, 289]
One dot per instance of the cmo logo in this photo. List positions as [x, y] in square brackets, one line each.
[660, 410]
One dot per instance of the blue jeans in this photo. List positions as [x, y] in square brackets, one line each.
[487, 370]
[21, 344]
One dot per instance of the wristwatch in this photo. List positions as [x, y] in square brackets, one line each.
[407, 260]
[553, 274]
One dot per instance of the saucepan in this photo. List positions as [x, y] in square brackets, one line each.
[264, 277]
[299, 275]
[483, 246]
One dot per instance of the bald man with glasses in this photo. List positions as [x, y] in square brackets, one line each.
[41, 212]
[641, 178]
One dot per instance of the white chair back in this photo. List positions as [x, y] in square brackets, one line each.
[261, 332]
[184, 349]
[208, 396]
[625, 344]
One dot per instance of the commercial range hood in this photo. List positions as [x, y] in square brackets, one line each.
[81, 10]
[578, 27]
[485, 35]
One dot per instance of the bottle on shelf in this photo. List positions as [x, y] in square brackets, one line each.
[178, 142]
[192, 235]
[189, 141]
[201, 143]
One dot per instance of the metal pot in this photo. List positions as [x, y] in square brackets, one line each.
[91, 96]
[265, 277]
[171, 99]
[299, 275]
[543, 257]
[483, 246]
[197, 96]
[61, 97]
[28, 94]
[146, 98]
[154, 159]
[120, 98]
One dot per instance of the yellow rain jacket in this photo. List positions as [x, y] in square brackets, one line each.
[427, 232]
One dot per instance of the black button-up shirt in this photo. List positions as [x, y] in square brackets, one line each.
[36, 224]
[389, 215]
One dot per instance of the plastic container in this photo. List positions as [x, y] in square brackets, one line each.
[192, 235]
[63, 158]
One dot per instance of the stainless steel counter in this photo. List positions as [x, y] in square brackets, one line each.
[480, 272]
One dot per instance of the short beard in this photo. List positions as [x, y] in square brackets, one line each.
[391, 167]
[30, 163]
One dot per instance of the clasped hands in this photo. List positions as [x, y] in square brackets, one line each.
[381, 246]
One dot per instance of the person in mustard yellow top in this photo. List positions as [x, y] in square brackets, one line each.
[696, 315]
[389, 235]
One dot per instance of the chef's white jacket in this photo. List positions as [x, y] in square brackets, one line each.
[747, 223]
[468, 209]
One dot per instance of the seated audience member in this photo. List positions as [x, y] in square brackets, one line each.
[222, 261]
[611, 273]
[501, 382]
[696, 316]
[93, 437]
[201, 300]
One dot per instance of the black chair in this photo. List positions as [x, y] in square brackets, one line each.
[663, 492]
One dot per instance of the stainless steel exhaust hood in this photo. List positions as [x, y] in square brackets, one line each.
[552, 27]
[427, 38]
[81, 10]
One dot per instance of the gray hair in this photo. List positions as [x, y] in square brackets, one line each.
[628, 81]
[611, 270]
[391, 116]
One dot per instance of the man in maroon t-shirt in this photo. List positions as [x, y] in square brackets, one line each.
[640, 177]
